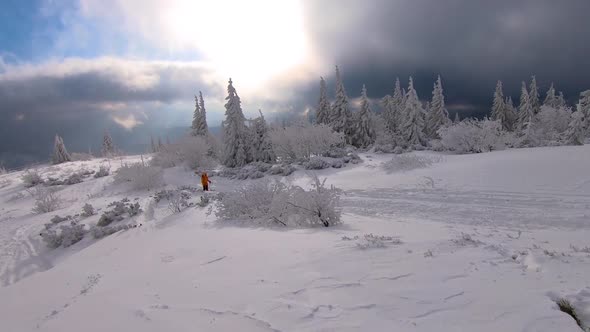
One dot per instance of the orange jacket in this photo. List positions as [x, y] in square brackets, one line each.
[205, 179]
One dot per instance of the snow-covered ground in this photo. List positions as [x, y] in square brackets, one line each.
[481, 242]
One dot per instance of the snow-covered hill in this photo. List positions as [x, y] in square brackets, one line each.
[429, 242]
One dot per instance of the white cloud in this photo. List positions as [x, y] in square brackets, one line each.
[128, 122]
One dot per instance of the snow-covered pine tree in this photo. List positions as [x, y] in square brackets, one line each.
[236, 148]
[262, 145]
[60, 154]
[160, 145]
[108, 148]
[551, 98]
[196, 118]
[413, 127]
[584, 107]
[576, 133]
[499, 109]
[437, 115]
[525, 110]
[322, 114]
[365, 132]
[340, 117]
[456, 119]
[203, 127]
[534, 96]
[511, 113]
[561, 100]
[392, 105]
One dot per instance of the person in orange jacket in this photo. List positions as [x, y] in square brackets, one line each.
[205, 181]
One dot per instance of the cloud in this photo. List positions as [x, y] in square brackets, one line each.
[129, 122]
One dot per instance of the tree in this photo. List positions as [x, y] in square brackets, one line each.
[534, 96]
[456, 119]
[236, 149]
[576, 132]
[561, 100]
[323, 110]
[60, 154]
[512, 115]
[108, 148]
[525, 109]
[262, 145]
[199, 126]
[365, 132]
[393, 105]
[413, 127]
[584, 107]
[196, 118]
[499, 109]
[438, 115]
[160, 145]
[550, 98]
[153, 145]
[340, 118]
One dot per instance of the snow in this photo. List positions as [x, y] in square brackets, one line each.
[482, 242]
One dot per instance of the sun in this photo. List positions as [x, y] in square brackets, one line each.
[249, 40]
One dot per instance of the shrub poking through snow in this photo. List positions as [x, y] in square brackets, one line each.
[140, 176]
[31, 178]
[408, 162]
[565, 306]
[74, 178]
[316, 163]
[179, 201]
[466, 240]
[57, 219]
[118, 212]
[369, 241]
[100, 232]
[272, 202]
[103, 170]
[45, 200]
[88, 210]
[65, 236]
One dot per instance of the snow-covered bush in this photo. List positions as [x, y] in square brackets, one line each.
[283, 169]
[301, 142]
[472, 136]
[74, 178]
[316, 163]
[337, 163]
[118, 212]
[408, 162]
[66, 236]
[46, 200]
[179, 201]
[31, 178]
[57, 219]
[191, 151]
[88, 210]
[100, 232]
[552, 123]
[272, 202]
[254, 170]
[3, 170]
[103, 170]
[140, 176]
[369, 241]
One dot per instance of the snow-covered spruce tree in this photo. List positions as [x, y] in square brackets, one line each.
[340, 116]
[499, 108]
[576, 133]
[511, 113]
[525, 110]
[60, 154]
[456, 119]
[108, 148]
[534, 96]
[236, 146]
[364, 133]
[322, 113]
[392, 105]
[413, 127]
[437, 115]
[551, 98]
[584, 107]
[196, 118]
[561, 100]
[262, 145]
[203, 129]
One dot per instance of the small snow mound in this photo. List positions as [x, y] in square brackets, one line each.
[408, 162]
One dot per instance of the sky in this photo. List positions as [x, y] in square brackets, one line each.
[78, 68]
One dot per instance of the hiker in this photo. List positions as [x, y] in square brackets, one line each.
[205, 181]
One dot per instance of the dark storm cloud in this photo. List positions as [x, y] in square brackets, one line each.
[470, 43]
